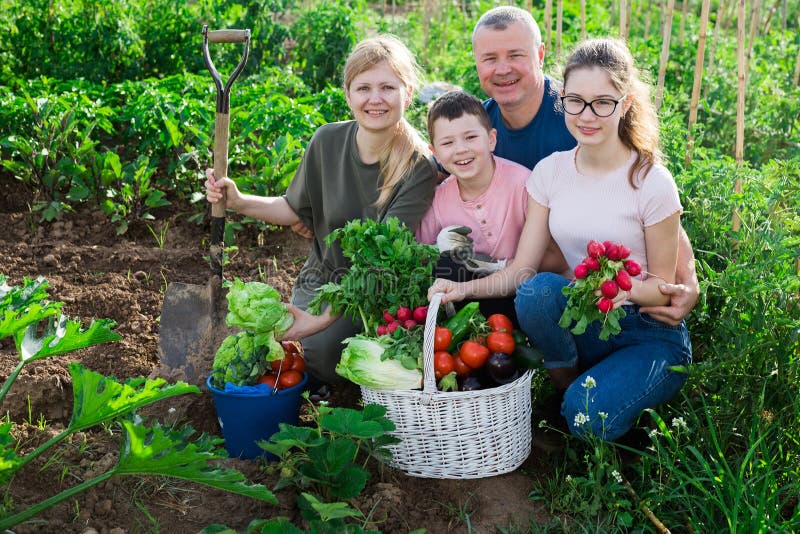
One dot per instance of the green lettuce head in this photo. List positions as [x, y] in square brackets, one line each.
[257, 307]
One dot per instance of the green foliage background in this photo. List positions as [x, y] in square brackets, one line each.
[107, 105]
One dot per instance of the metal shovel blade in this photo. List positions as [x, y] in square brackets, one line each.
[192, 329]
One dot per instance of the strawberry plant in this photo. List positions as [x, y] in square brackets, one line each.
[40, 330]
[608, 270]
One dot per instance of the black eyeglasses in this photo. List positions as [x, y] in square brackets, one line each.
[602, 107]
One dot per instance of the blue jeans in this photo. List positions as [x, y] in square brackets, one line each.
[631, 371]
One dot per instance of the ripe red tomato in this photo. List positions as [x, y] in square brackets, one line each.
[461, 368]
[441, 338]
[298, 363]
[474, 354]
[442, 364]
[268, 379]
[500, 323]
[500, 342]
[287, 363]
[289, 378]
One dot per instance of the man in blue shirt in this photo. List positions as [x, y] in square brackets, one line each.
[525, 109]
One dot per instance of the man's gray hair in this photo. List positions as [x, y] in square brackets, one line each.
[501, 17]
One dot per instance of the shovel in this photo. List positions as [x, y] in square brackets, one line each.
[193, 316]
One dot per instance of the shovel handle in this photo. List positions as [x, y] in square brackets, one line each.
[228, 36]
[222, 133]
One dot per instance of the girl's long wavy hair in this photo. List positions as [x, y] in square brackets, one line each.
[406, 146]
[638, 127]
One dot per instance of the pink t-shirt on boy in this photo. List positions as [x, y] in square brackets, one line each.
[496, 217]
[602, 207]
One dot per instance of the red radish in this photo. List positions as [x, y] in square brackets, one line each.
[595, 249]
[612, 252]
[607, 244]
[624, 252]
[633, 267]
[605, 305]
[591, 263]
[382, 330]
[408, 325]
[420, 313]
[391, 327]
[388, 318]
[624, 280]
[581, 271]
[403, 314]
[609, 289]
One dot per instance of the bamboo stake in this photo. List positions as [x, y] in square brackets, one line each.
[770, 14]
[740, 61]
[623, 19]
[698, 78]
[548, 23]
[583, 19]
[628, 16]
[660, 528]
[662, 69]
[783, 15]
[559, 23]
[712, 48]
[797, 69]
[648, 11]
[426, 27]
[529, 4]
[394, 8]
[754, 17]
[684, 12]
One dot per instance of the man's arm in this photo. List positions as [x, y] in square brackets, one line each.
[683, 294]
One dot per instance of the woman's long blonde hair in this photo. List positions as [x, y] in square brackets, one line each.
[638, 127]
[406, 147]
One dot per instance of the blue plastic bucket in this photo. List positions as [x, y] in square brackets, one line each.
[247, 418]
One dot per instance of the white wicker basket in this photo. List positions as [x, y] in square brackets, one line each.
[460, 434]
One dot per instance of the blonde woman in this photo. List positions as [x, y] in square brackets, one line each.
[375, 166]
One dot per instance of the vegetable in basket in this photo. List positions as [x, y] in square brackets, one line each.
[361, 363]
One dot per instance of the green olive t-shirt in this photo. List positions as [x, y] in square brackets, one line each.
[333, 186]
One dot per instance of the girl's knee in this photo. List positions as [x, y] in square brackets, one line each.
[539, 293]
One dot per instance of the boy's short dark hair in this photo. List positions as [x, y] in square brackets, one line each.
[455, 104]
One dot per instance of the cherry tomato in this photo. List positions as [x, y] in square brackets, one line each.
[298, 363]
[289, 378]
[461, 368]
[441, 338]
[474, 354]
[442, 364]
[500, 342]
[268, 379]
[500, 323]
[287, 363]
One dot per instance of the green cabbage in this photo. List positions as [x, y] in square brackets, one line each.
[361, 363]
[257, 307]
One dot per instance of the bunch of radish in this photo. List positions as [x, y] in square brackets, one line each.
[606, 270]
[402, 317]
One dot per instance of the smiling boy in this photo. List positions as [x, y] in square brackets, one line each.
[483, 192]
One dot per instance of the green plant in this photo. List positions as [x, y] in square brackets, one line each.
[324, 459]
[161, 235]
[39, 330]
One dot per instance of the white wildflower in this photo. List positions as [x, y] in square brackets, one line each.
[603, 415]
[171, 410]
[589, 382]
[581, 419]
[680, 423]
[616, 476]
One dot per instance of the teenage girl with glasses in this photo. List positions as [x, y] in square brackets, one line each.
[612, 186]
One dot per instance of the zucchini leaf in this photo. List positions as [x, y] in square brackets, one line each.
[160, 450]
[62, 336]
[97, 398]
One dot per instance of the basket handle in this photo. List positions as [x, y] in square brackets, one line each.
[428, 376]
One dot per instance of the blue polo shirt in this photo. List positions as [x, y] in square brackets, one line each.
[544, 135]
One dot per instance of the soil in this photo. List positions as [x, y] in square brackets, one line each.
[98, 274]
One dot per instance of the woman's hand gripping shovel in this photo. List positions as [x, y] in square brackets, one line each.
[193, 316]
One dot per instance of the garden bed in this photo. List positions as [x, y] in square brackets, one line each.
[101, 275]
